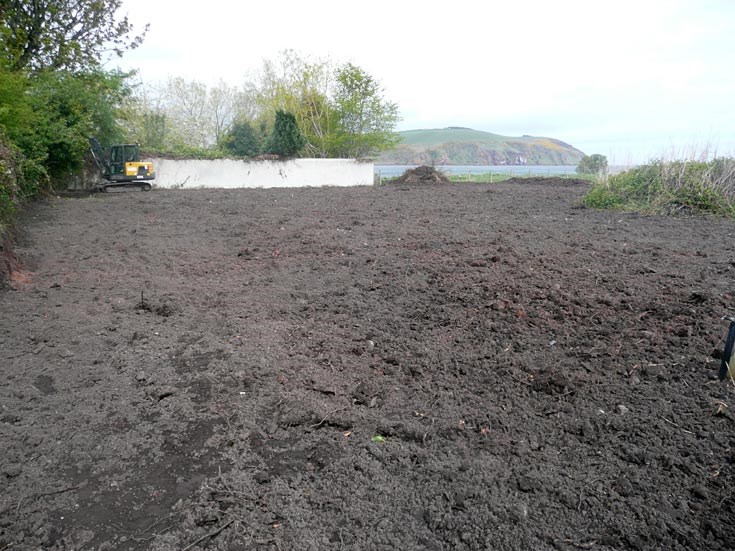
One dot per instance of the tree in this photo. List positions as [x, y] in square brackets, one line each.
[592, 164]
[17, 117]
[242, 140]
[63, 34]
[144, 118]
[184, 116]
[341, 112]
[50, 116]
[299, 86]
[186, 104]
[366, 121]
[286, 139]
[69, 108]
[222, 109]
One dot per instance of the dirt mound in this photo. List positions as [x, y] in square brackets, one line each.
[422, 175]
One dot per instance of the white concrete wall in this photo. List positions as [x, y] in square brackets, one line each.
[228, 173]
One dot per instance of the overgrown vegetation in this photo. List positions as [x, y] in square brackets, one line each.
[593, 164]
[668, 187]
[340, 111]
[54, 93]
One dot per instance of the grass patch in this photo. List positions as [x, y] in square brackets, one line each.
[486, 178]
[496, 177]
[668, 187]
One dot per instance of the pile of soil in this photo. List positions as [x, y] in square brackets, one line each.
[372, 368]
[422, 175]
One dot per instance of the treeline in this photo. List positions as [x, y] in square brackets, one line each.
[55, 94]
[340, 111]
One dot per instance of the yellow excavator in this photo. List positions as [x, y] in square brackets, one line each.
[121, 166]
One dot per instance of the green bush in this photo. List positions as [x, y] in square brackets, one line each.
[20, 178]
[286, 139]
[242, 140]
[592, 164]
[180, 151]
[669, 186]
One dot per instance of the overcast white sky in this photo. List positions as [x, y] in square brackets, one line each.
[628, 79]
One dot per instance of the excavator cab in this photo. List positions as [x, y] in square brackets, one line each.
[122, 166]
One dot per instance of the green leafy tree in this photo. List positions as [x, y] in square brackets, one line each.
[63, 34]
[286, 139]
[18, 120]
[592, 164]
[366, 121]
[70, 108]
[300, 86]
[242, 140]
[341, 113]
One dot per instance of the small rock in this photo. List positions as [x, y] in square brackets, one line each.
[656, 371]
[700, 492]
[528, 484]
[12, 470]
[624, 487]
[11, 418]
[622, 410]
[370, 345]
[161, 392]
[518, 512]
[66, 353]
[699, 297]
[140, 377]
[165, 392]
[261, 477]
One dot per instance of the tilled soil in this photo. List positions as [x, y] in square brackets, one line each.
[399, 367]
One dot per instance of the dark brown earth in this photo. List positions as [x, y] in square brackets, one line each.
[399, 367]
[422, 175]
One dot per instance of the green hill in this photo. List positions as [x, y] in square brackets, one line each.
[464, 146]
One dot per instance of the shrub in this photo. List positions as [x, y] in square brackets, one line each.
[20, 178]
[286, 139]
[670, 186]
[242, 140]
[592, 164]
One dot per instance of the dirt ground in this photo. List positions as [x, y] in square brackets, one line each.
[378, 368]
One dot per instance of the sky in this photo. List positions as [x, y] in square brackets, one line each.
[632, 80]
